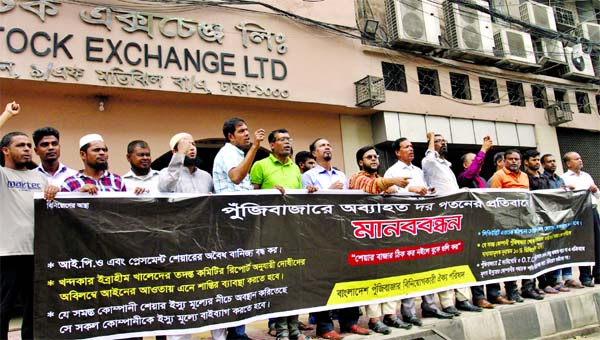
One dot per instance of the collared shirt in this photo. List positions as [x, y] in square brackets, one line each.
[470, 177]
[229, 157]
[538, 182]
[583, 181]
[270, 171]
[177, 178]
[149, 181]
[322, 178]
[507, 179]
[554, 180]
[59, 176]
[367, 182]
[400, 169]
[438, 173]
[107, 182]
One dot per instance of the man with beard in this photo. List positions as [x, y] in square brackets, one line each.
[368, 180]
[405, 153]
[323, 175]
[305, 161]
[141, 178]
[47, 147]
[556, 182]
[439, 175]
[95, 176]
[511, 177]
[581, 180]
[230, 174]
[17, 185]
[182, 175]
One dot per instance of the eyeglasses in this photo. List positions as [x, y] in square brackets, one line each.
[285, 139]
[372, 156]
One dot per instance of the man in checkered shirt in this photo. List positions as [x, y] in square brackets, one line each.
[95, 176]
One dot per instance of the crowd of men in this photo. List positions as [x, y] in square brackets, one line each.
[235, 170]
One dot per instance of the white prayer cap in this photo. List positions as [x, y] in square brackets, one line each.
[92, 137]
[175, 139]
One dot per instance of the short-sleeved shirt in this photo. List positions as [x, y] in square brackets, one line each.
[229, 157]
[507, 179]
[270, 171]
[149, 181]
[107, 182]
[16, 224]
[59, 176]
[581, 181]
[401, 169]
[322, 178]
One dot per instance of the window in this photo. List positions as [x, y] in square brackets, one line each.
[394, 77]
[460, 86]
[583, 102]
[560, 96]
[540, 100]
[598, 103]
[516, 97]
[429, 83]
[489, 90]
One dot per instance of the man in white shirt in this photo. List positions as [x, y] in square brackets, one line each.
[46, 143]
[440, 176]
[405, 154]
[141, 178]
[581, 180]
[323, 176]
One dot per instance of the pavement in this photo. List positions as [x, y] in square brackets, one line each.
[567, 315]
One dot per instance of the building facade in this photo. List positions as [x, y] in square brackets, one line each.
[147, 70]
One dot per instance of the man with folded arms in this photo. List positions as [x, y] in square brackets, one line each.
[368, 180]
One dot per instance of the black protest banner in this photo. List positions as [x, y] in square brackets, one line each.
[123, 267]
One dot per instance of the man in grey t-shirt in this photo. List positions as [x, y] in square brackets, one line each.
[17, 185]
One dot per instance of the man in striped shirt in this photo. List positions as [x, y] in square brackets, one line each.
[95, 176]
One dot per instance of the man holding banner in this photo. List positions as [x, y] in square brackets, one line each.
[17, 185]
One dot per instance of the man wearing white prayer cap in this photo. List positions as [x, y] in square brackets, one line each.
[95, 176]
[182, 175]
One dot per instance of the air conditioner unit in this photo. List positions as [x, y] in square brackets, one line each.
[469, 31]
[579, 64]
[557, 114]
[515, 49]
[550, 52]
[590, 32]
[413, 22]
[538, 14]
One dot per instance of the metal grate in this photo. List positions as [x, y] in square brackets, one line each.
[370, 91]
[586, 144]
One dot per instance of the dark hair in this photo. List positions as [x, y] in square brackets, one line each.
[361, 152]
[271, 137]
[509, 151]
[84, 147]
[463, 158]
[530, 154]
[230, 125]
[397, 142]
[498, 156]
[302, 157]
[43, 132]
[312, 147]
[6, 140]
[133, 144]
[543, 159]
